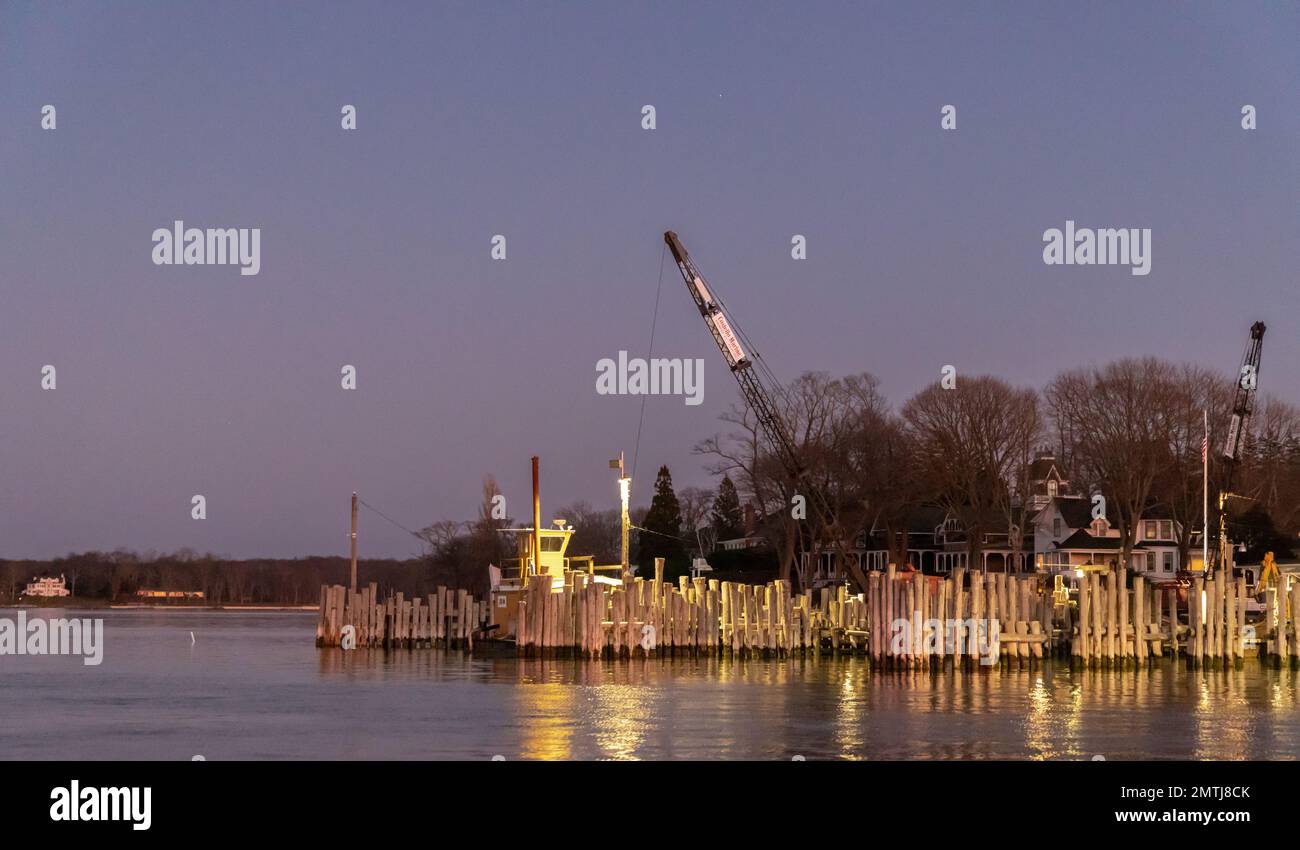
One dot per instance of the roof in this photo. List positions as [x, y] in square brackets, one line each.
[925, 519]
[1157, 511]
[1043, 466]
[1081, 539]
[1077, 511]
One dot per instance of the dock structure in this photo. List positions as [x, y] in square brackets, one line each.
[449, 618]
[904, 620]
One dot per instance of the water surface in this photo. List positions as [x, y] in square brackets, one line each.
[253, 686]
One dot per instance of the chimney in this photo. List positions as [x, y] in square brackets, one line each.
[751, 524]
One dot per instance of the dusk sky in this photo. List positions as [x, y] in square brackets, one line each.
[820, 119]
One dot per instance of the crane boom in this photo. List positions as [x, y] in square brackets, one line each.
[1243, 405]
[1243, 402]
[758, 397]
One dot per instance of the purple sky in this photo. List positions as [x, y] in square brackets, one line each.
[924, 246]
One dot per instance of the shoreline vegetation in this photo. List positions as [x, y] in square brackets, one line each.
[117, 580]
[1136, 443]
[70, 603]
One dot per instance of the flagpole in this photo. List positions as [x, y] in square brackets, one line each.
[1205, 486]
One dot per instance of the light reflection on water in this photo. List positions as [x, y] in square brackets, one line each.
[253, 686]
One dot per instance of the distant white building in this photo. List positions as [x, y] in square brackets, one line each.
[47, 587]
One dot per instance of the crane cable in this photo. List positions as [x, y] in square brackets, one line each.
[654, 320]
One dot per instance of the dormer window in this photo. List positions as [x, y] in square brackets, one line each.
[1051, 488]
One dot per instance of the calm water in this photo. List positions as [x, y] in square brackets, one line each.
[253, 686]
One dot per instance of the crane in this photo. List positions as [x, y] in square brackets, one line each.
[1243, 404]
[759, 399]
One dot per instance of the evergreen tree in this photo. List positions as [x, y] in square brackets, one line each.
[1255, 529]
[661, 537]
[727, 519]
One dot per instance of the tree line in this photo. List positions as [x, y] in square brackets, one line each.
[1130, 431]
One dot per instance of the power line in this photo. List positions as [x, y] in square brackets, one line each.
[387, 517]
[660, 533]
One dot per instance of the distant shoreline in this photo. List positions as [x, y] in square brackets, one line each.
[135, 605]
[100, 604]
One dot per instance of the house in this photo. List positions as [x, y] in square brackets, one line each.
[1067, 537]
[1061, 535]
[751, 539]
[48, 587]
[151, 595]
[937, 544]
[1046, 481]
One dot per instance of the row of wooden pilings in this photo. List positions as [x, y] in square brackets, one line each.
[446, 618]
[657, 618]
[1283, 647]
[1122, 626]
[904, 620]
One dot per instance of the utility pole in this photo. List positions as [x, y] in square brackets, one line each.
[354, 541]
[624, 495]
[537, 520]
[1205, 495]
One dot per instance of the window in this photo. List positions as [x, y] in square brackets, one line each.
[501, 600]
[1166, 529]
[1056, 527]
[552, 544]
[1151, 529]
[1051, 489]
[1169, 562]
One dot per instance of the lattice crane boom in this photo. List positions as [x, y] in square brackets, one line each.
[1243, 405]
[759, 398]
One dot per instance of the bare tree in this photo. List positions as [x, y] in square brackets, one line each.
[761, 479]
[486, 546]
[1272, 463]
[694, 503]
[1117, 418]
[1194, 393]
[886, 462]
[441, 533]
[972, 442]
[835, 425]
[596, 533]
